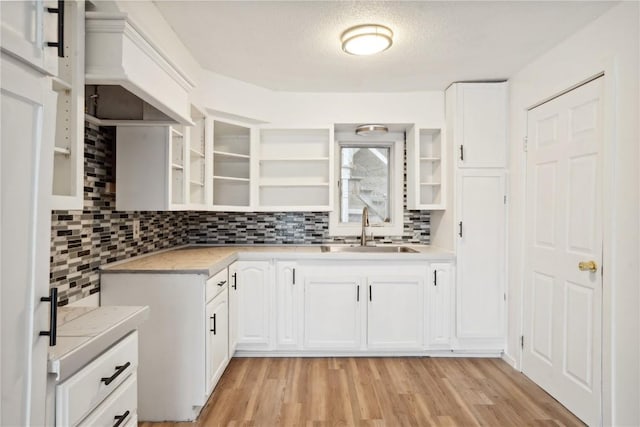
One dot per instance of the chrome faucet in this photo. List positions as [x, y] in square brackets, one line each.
[365, 224]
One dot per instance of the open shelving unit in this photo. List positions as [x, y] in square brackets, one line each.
[295, 169]
[425, 162]
[231, 165]
[197, 153]
[178, 172]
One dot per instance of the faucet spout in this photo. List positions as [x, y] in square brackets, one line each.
[365, 224]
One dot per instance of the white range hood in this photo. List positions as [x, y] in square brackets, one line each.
[119, 54]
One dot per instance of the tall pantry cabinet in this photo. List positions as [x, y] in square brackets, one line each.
[28, 106]
[475, 225]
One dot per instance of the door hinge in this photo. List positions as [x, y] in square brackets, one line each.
[521, 341]
[525, 144]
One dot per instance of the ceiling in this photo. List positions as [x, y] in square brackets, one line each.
[295, 45]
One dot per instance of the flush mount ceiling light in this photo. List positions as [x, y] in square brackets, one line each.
[368, 130]
[366, 39]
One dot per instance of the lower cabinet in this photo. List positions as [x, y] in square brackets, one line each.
[439, 313]
[183, 345]
[287, 309]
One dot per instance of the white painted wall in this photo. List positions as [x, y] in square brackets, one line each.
[612, 43]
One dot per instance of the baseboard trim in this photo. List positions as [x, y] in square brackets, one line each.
[428, 353]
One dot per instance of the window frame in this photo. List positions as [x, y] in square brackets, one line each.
[395, 142]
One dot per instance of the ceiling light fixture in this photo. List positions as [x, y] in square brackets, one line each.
[366, 39]
[368, 130]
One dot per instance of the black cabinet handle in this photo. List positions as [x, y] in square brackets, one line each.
[294, 276]
[460, 229]
[462, 152]
[235, 280]
[214, 324]
[435, 277]
[222, 283]
[53, 316]
[119, 369]
[120, 418]
[358, 293]
[370, 296]
[60, 43]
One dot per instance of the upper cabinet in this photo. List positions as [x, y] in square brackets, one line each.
[295, 169]
[199, 155]
[426, 163]
[479, 132]
[30, 33]
[232, 166]
[68, 159]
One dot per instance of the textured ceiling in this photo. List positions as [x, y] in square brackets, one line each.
[294, 45]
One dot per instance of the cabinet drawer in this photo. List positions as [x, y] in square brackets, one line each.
[120, 407]
[86, 389]
[216, 284]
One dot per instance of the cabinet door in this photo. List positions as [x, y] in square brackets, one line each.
[287, 303]
[253, 288]
[481, 125]
[439, 313]
[217, 340]
[332, 310]
[27, 26]
[26, 159]
[395, 312]
[481, 251]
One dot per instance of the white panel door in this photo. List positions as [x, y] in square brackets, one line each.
[253, 286]
[395, 312]
[26, 29]
[481, 125]
[439, 311]
[287, 304]
[217, 340]
[26, 155]
[332, 312]
[563, 304]
[481, 252]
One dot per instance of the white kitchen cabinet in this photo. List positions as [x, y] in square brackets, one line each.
[439, 313]
[251, 283]
[333, 311]
[152, 168]
[217, 341]
[26, 158]
[200, 185]
[27, 29]
[180, 360]
[479, 124]
[288, 292]
[395, 311]
[481, 225]
[233, 153]
[295, 170]
[68, 159]
[426, 165]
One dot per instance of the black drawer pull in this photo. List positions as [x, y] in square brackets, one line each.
[53, 316]
[60, 43]
[235, 280]
[222, 283]
[435, 277]
[119, 370]
[120, 418]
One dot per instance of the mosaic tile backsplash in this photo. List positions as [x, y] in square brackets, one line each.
[81, 241]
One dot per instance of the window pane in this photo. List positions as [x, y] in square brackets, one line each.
[364, 176]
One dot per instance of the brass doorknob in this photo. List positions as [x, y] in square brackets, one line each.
[588, 266]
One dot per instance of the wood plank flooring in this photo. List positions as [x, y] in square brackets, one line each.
[388, 392]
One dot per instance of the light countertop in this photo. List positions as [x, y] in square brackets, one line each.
[86, 332]
[208, 260]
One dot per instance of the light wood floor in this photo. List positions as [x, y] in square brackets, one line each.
[376, 392]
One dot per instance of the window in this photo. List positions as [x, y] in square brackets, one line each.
[369, 175]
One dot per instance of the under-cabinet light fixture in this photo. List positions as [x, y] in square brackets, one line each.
[366, 39]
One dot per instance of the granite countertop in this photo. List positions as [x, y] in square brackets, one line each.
[198, 259]
[85, 332]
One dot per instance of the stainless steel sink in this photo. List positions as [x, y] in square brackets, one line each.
[368, 249]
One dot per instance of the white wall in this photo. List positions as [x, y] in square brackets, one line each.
[610, 43]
